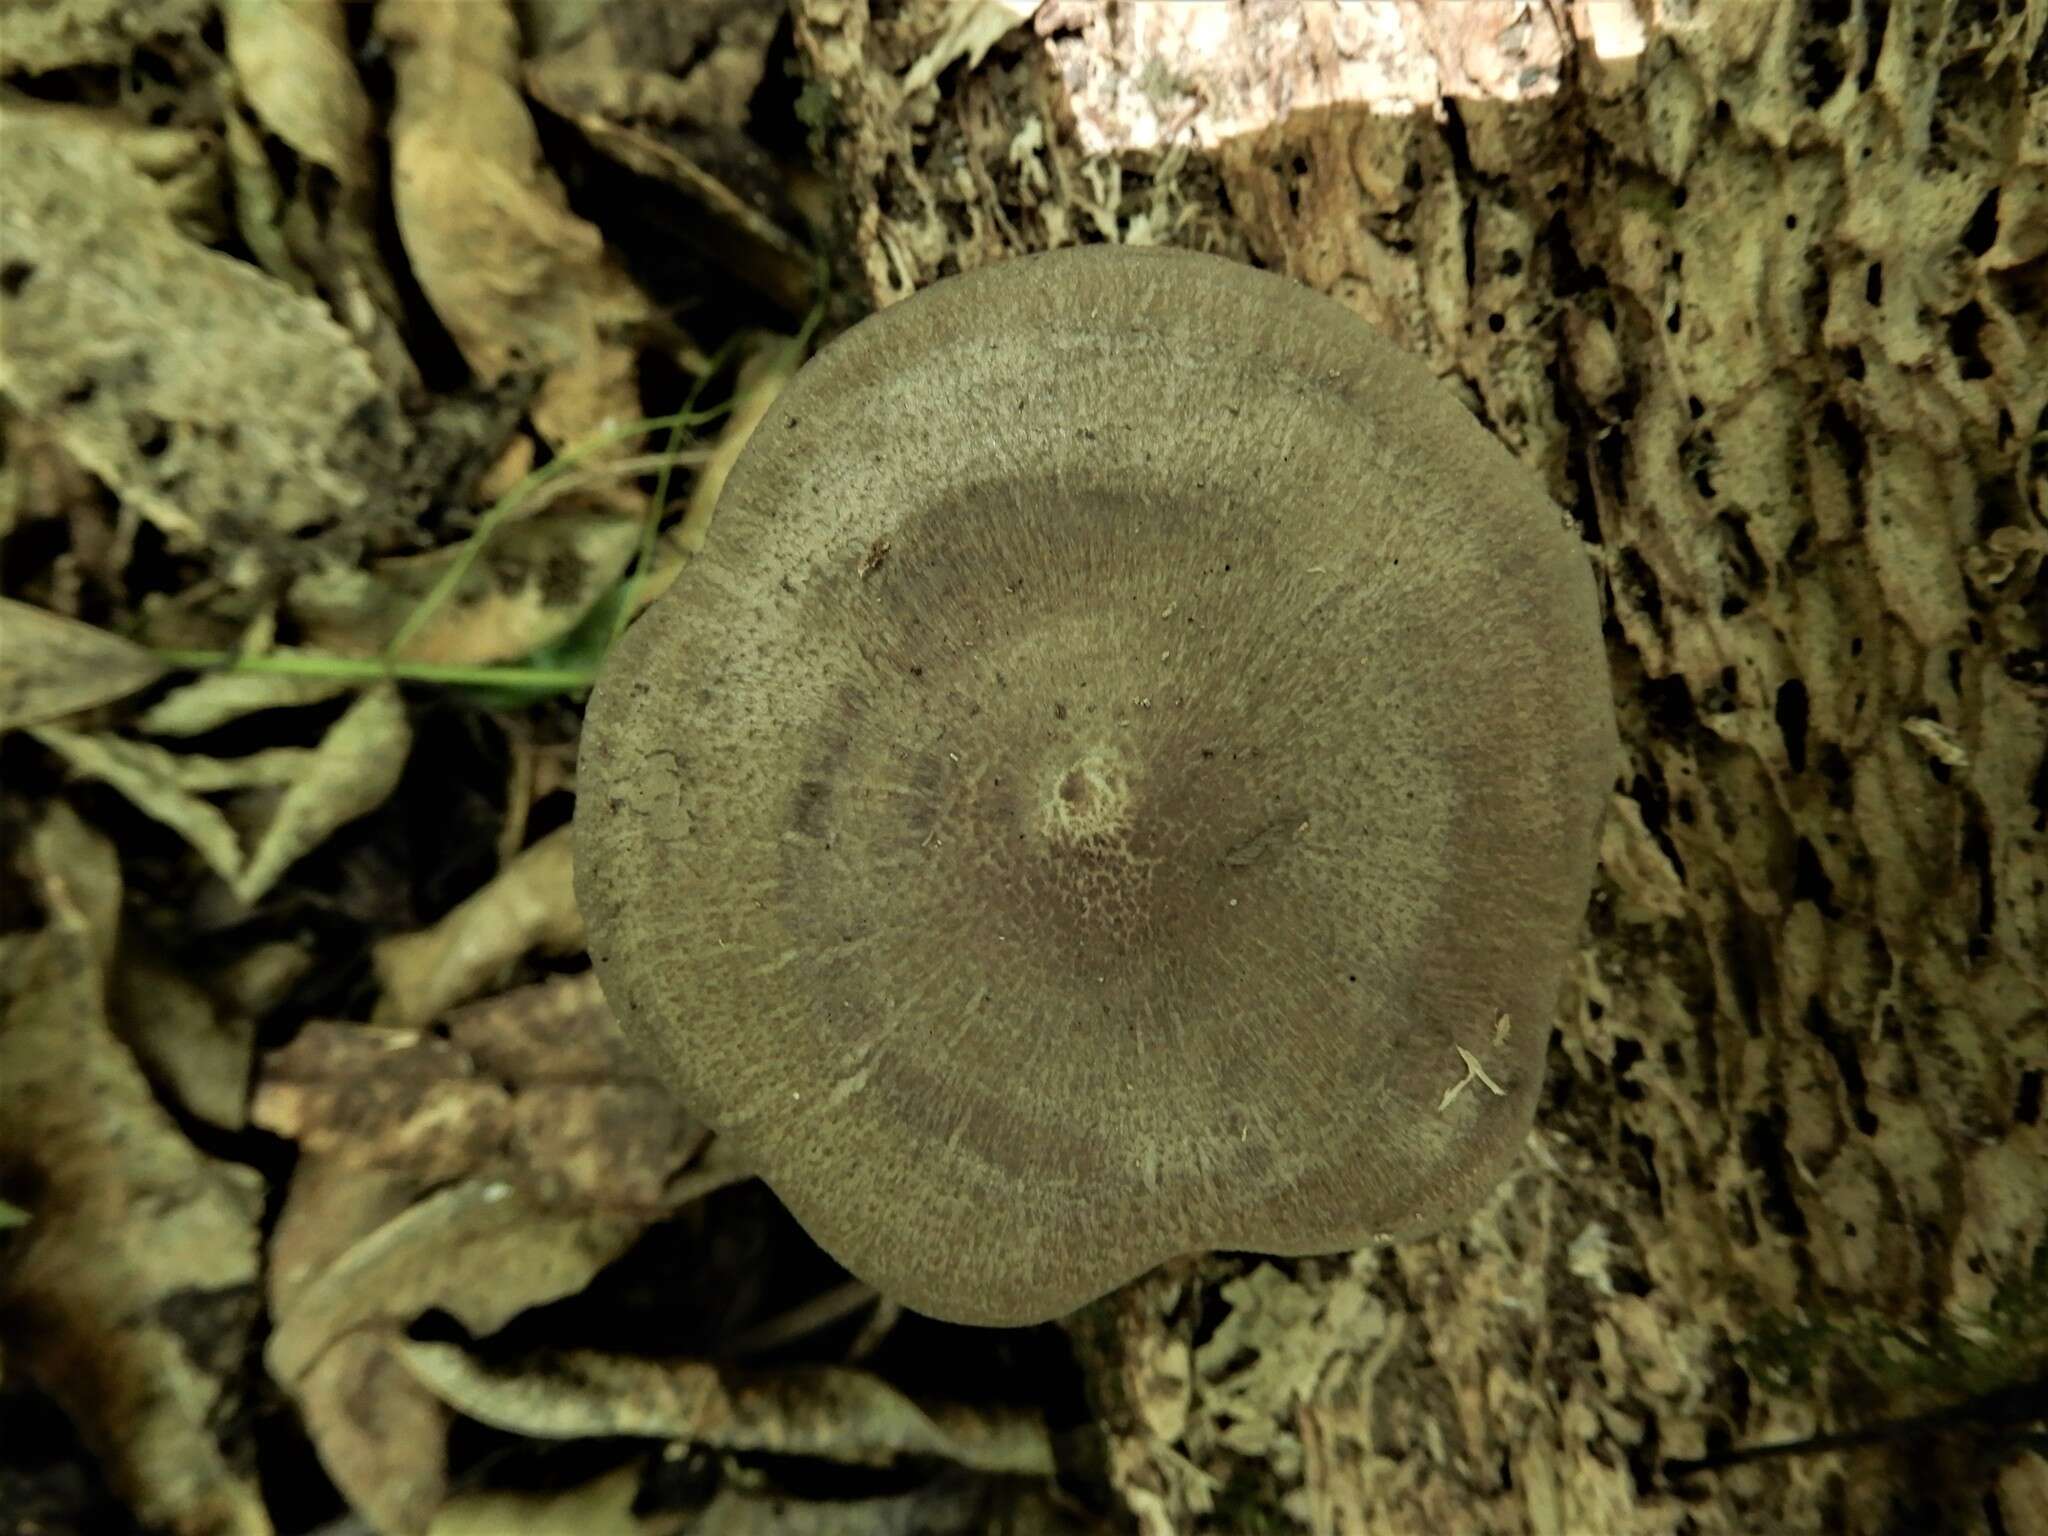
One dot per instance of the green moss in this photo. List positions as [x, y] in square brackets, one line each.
[1961, 1355]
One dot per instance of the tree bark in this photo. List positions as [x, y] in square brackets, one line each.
[1761, 290]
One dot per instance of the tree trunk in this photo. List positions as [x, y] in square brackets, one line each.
[1761, 290]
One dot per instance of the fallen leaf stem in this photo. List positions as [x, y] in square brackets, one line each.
[375, 669]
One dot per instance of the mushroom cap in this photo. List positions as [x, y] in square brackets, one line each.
[1132, 743]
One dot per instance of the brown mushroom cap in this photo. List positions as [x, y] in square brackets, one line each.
[1130, 735]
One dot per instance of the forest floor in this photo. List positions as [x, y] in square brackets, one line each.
[365, 369]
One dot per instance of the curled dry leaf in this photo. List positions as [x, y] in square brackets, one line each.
[2023, 1492]
[535, 1086]
[602, 1507]
[197, 1053]
[217, 698]
[550, 1155]
[51, 666]
[41, 38]
[379, 1435]
[354, 1261]
[531, 585]
[835, 1414]
[130, 1295]
[951, 1504]
[354, 769]
[520, 281]
[482, 1251]
[152, 770]
[530, 905]
[351, 772]
[114, 317]
[292, 64]
[156, 782]
[665, 90]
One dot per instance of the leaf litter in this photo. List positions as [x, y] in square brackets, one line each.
[337, 408]
[131, 1288]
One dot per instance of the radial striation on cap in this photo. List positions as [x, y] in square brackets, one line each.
[1121, 779]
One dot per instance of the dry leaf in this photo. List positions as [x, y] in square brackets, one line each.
[381, 1437]
[199, 1056]
[827, 1412]
[530, 905]
[353, 1264]
[118, 761]
[666, 90]
[584, 1113]
[379, 1434]
[258, 979]
[42, 38]
[294, 67]
[2023, 1493]
[152, 780]
[603, 1507]
[260, 205]
[532, 584]
[399, 1100]
[212, 701]
[354, 769]
[520, 281]
[130, 1295]
[652, 62]
[551, 24]
[512, 465]
[38, 479]
[286, 455]
[482, 1251]
[953, 1504]
[535, 1086]
[51, 666]
[292, 63]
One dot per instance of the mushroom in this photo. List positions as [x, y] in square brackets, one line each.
[1122, 780]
